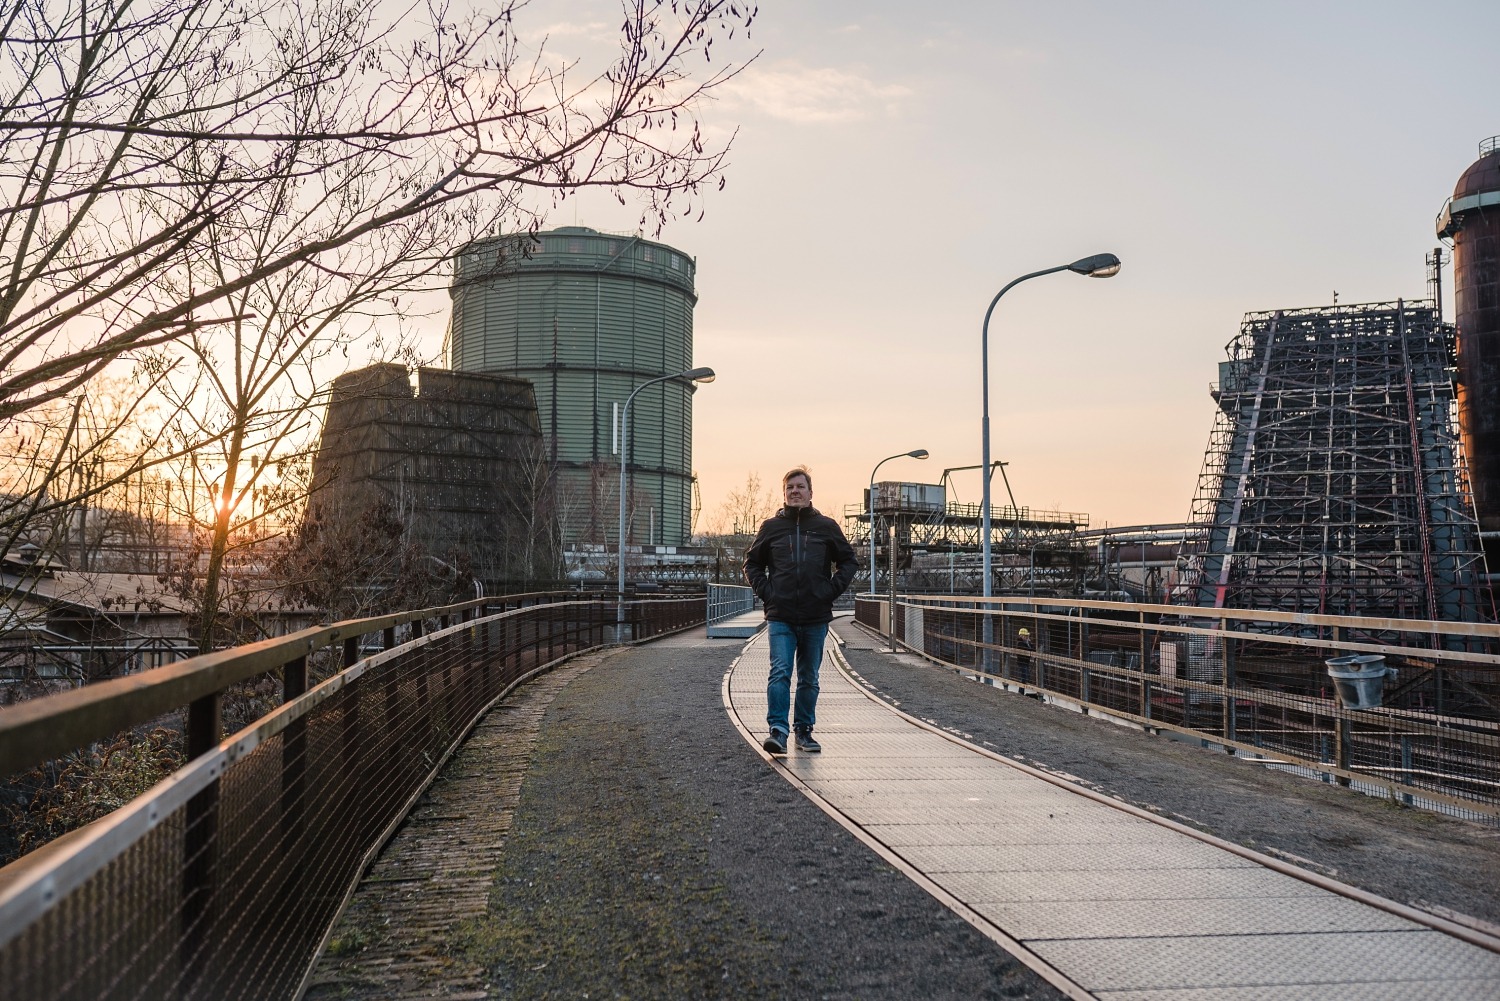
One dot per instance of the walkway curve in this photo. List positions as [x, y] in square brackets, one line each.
[1102, 899]
[394, 940]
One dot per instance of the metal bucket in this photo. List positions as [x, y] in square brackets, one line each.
[1360, 679]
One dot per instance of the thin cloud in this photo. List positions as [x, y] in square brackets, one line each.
[810, 95]
[575, 28]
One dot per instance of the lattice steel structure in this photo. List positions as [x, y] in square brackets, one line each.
[1334, 480]
[940, 544]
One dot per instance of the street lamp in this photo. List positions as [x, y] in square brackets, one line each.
[916, 453]
[1097, 266]
[692, 375]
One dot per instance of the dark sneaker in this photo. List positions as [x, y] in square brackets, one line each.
[776, 742]
[805, 742]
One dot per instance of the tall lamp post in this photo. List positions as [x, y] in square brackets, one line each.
[1097, 266]
[692, 375]
[916, 453]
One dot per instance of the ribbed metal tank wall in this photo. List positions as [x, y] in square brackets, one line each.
[589, 317]
[1472, 220]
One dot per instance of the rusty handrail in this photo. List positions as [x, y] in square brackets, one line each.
[41, 729]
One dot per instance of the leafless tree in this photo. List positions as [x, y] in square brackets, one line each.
[228, 192]
[532, 515]
[744, 508]
[129, 130]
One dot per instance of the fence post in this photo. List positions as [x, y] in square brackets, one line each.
[1143, 664]
[294, 751]
[552, 632]
[892, 560]
[1231, 708]
[293, 771]
[199, 843]
[1043, 644]
[485, 626]
[1406, 777]
[1341, 750]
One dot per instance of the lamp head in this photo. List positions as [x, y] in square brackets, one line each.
[1098, 266]
[700, 375]
[920, 453]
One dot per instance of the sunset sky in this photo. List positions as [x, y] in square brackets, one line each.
[893, 169]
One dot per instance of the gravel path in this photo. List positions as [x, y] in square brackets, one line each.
[655, 855]
[1450, 867]
[394, 939]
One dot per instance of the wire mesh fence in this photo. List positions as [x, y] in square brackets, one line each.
[1431, 738]
[222, 882]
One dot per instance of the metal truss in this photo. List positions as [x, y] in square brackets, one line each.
[1033, 548]
[1333, 481]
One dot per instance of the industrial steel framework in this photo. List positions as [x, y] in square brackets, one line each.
[1029, 544]
[1333, 481]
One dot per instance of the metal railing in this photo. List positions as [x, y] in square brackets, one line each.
[1252, 682]
[224, 880]
[726, 604]
[725, 601]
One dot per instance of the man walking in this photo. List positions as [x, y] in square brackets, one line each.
[798, 565]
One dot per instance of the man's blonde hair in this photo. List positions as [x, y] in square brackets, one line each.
[796, 471]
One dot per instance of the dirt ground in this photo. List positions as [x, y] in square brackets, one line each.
[1440, 864]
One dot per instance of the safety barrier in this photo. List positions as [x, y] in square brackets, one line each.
[725, 601]
[726, 604]
[1251, 682]
[224, 880]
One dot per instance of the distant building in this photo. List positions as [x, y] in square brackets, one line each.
[589, 317]
[60, 628]
[458, 461]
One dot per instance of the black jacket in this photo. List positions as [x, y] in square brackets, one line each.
[798, 565]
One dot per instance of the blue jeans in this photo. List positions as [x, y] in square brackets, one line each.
[804, 646]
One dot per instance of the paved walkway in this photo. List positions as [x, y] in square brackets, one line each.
[1100, 898]
[741, 626]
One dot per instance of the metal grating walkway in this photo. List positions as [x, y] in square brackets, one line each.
[1103, 900]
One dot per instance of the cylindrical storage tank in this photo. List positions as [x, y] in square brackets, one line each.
[589, 317]
[1472, 220]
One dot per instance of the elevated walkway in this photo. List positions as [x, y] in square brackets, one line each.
[742, 626]
[732, 613]
[1103, 899]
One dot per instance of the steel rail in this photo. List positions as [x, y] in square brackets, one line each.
[1485, 629]
[1289, 701]
[977, 606]
[318, 751]
[41, 729]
